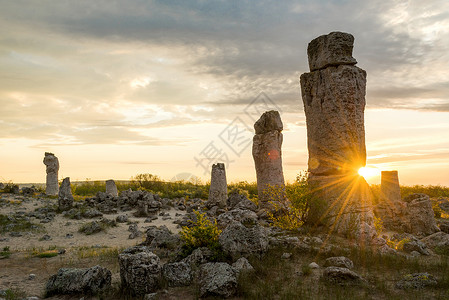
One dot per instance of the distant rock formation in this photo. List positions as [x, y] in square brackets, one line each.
[218, 191]
[391, 209]
[267, 154]
[52, 163]
[111, 188]
[334, 101]
[65, 198]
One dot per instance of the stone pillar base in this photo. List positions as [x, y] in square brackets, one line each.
[342, 203]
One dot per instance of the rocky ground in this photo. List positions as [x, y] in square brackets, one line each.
[25, 271]
[129, 248]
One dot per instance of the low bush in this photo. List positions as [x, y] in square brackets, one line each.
[203, 233]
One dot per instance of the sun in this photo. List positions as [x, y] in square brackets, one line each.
[368, 172]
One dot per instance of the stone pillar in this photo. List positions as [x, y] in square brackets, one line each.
[218, 191]
[267, 154]
[65, 199]
[391, 209]
[111, 188]
[333, 93]
[52, 163]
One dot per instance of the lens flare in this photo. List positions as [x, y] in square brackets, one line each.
[368, 172]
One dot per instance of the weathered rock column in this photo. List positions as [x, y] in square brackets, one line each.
[267, 154]
[111, 188]
[52, 163]
[334, 101]
[391, 209]
[65, 198]
[218, 191]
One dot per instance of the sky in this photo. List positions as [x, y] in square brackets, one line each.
[119, 88]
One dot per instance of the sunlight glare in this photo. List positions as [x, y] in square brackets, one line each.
[368, 172]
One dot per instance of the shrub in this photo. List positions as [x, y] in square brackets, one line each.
[378, 225]
[203, 233]
[290, 204]
[5, 253]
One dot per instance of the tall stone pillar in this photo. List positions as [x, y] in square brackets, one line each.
[218, 191]
[65, 197]
[333, 93]
[111, 188]
[52, 164]
[267, 154]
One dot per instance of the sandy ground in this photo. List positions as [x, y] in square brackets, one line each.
[15, 271]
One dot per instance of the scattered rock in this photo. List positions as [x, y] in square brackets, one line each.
[238, 240]
[177, 274]
[161, 237]
[339, 261]
[122, 219]
[416, 281]
[422, 219]
[342, 276]
[416, 245]
[140, 270]
[198, 256]
[92, 213]
[286, 255]
[217, 279]
[242, 264]
[78, 281]
[246, 217]
[314, 265]
[45, 237]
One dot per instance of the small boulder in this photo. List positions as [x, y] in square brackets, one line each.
[416, 281]
[177, 274]
[242, 264]
[140, 270]
[217, 279]
[342, 276]
[339, 261]
[78, 281]
[238, 240]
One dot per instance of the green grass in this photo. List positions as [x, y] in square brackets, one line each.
[5, 253]
[13, 294]
[276, 278]
[15, 223]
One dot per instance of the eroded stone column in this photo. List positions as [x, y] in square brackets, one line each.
[52, 164]
[333, 93]
[65, 198]
[218, 191]
[267, 154]
[391, 209]
[111, 188]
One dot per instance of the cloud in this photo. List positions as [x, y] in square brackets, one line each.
[68, 66]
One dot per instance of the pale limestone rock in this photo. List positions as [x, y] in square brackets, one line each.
[218, 191]
[52, 167]
[267, 154]
[422, 218]
[111, 188]
[65, 198]
[332, 49]
[334, 102]
[343, 204]
[391, 209]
